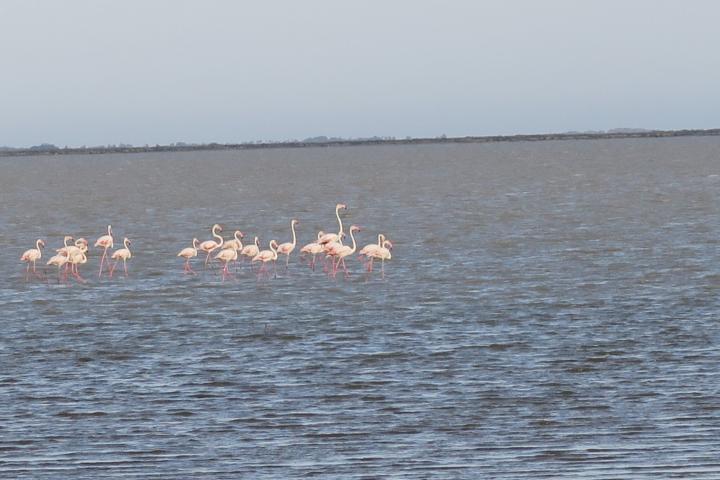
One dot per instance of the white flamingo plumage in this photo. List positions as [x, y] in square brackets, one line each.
[209, 246]
[123, 254]
[382, 254]
[105, 242]
[227, 255]
[288, 247]
[266, 256]
[187, 253]
[313, 248]
[344, 251]
[31, 256]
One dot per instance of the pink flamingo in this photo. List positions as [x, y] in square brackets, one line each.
[31, 256]
[288, 247]
[227, 255]
[60, 260]
[344, 251]
[80, 246]
[372, 246]
[313, 249]
[208, 246]
[104, 242]
[188, 253]
[75, 258]
[332, 237]
[382, 253]
[266, 256]
[250, 251]
[123, 254]
[235, 242]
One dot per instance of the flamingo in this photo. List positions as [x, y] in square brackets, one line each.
[227, 255]
[251, 250]
[313, 249]
[266, 256]
[80, 246]
[344, 251]
[123, 254]
[75, 258]
[31, 256]
[372, 246]
[208, 246]
[104, 242]
[60, 260]
[382, 253]
[64, 249]
[188, 253]
[235, 242]
[332, 237]
[288, 247]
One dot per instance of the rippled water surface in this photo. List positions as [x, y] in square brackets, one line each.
[551, 310]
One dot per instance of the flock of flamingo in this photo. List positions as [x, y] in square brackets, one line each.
[328, 246]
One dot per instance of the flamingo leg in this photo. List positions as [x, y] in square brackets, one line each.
[77, 276]
[125, 265]
[102, 261]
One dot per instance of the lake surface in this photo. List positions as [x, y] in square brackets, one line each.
[551, 310]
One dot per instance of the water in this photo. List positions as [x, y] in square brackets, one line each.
[550, 311]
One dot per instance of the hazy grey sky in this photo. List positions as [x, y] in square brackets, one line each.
[159, 71]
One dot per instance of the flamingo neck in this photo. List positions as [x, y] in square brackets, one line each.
[195, 241]
[381, 239]
[337, 214]
[237, 239]
[110, 230]
[257, 242]
[65, 241]
[292, 226]
[215, 234]
[125, 243]
[272, 249]
[354, 247]
[37, 244]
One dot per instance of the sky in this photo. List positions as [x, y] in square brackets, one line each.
[96, 72]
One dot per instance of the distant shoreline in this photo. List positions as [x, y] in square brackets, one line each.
[351, 143]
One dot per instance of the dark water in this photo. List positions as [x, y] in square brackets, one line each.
[551, 310]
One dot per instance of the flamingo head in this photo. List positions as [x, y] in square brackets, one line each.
[217, 227]
[320, 234]
[340, 206]
[81, 241]
[354, 228]
[195, 242]
[389, 244]
[41, 243]
[295, 221]
[67, 238]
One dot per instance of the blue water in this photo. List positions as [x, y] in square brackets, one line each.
[550, 310]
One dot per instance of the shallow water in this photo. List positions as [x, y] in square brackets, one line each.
[550, 311]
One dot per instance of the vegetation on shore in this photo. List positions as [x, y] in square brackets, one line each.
[49, 149]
